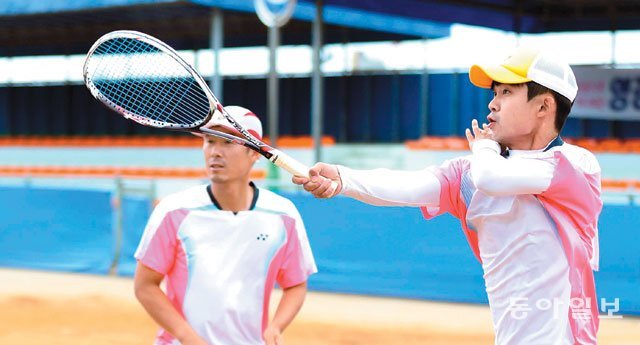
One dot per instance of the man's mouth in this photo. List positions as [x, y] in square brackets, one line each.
[491, 120]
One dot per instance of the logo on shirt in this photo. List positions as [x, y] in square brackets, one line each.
[262, 237]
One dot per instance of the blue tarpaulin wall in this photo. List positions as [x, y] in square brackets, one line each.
[135, 213]
[56, 230]
[358, 248]
[389, 251]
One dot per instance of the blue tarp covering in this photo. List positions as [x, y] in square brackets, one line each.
[358, 248]
[389, 251]
[364, 249]
[56, 230]
[619, 275]
[135, 214]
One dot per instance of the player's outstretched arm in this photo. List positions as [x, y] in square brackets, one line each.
[289, 306]
[155, 302]
[379, 187]
[386, 187]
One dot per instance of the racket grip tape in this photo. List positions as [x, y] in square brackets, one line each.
[286, 162]
[294, 167]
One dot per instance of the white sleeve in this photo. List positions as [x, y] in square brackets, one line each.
[384, 187]
[495, 175]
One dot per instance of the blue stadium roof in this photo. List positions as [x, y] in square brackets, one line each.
[343, 13]
[407, 16]
[69, 26]
[29, 27]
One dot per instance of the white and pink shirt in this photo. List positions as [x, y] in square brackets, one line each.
[530, 219]
[221, 267]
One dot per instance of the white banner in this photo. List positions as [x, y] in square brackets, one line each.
[611, 94]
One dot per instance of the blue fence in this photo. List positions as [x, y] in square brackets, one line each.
[359, 248]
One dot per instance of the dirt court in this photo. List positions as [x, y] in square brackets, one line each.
[70, 309]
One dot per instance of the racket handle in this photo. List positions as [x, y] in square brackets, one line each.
[294, 167]
[286, 162]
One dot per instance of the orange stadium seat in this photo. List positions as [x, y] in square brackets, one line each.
[189, 173]
[300, 141]
[611, 145]
[258, 174]
[617, 184]
[436, 143]
[70, 141]
[190, 141]
[456, 143]
[632, 145]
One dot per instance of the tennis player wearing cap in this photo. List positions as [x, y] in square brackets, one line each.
[220, 248]
[527, 201]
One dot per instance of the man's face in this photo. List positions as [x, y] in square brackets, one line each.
[226, 161]
[512, 118]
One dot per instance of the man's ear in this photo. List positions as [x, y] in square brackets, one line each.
[254, 155]
[547, 105]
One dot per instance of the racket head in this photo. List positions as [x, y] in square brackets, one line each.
[145, 80]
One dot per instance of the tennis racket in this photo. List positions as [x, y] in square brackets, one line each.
[145, 80]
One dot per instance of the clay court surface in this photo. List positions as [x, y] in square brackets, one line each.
[70, 309]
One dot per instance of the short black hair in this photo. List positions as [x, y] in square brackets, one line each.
[563, 104]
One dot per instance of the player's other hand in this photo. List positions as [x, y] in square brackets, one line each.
[477, 133]
[323, 181]
[272, 336]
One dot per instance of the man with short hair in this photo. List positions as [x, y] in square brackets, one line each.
[528, 202]
[221, 247]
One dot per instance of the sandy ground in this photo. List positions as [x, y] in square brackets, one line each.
[70, 309]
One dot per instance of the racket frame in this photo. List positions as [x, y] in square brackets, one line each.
[274, 155]
[150, 40]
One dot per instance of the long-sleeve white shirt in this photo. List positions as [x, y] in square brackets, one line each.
[519, 247]
[492, 174]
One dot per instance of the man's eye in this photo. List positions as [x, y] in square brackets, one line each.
[506, 92]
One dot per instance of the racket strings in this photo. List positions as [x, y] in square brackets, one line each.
[145, 81]
[121, 93]
[160, 90]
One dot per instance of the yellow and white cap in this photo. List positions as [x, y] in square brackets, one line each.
[525, 65]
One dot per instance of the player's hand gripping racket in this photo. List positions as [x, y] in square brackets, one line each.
[145, 80]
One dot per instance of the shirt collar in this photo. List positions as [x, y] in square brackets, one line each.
[557, 141]
[256, 191]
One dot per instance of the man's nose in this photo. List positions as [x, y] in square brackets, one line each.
[214, 149]
[493, 105]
